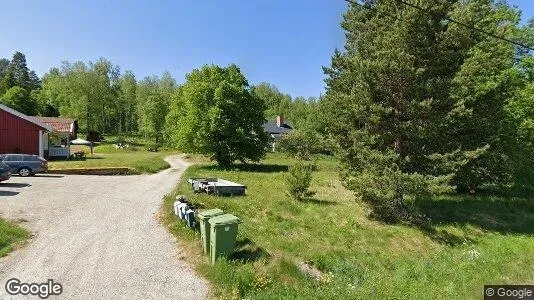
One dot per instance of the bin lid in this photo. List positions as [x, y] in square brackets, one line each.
[210, 213]
[224, 220]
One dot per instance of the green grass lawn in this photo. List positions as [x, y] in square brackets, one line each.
[477, 240]
[10, 235]
[136, 157]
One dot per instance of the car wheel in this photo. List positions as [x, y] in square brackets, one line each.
[25, 172]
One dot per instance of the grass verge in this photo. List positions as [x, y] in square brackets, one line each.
[476, 241]
[138, 162]
[137, 159]
[10, 236]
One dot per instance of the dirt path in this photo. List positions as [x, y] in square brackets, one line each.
[98, 236]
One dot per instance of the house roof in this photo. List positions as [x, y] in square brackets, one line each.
[59, 124]
[25, 117]
[272, 127]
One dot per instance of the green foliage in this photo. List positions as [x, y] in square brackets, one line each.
[299, 180]
[520, 151]
[103, 100]
[416, 103]
[301, 144]
[276, 103]
[215, 114]
[18, 85]
[18, 99]
[301, 112]
[153, 100]
[84, 92]
[127, 103]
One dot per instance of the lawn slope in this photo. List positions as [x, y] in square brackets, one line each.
[482, 240]
[134, 157]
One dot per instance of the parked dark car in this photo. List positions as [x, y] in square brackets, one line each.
[5, 172]
[24, 164]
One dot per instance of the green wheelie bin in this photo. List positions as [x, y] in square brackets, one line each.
[223, 235]
[205, 230]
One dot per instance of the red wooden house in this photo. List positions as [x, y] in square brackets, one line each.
[20, 133]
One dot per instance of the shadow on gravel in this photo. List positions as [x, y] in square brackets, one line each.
[15, 185]
[8, 193]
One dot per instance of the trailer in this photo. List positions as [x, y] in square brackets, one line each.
[216, 186]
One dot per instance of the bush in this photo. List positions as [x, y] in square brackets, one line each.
[153, 147]
[300, 144]
[120, 141]
[299, 180]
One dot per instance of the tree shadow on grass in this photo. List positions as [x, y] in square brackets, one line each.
[510, 215]
[317, 201]
[445, 237]
[247, 251]
[257, 168]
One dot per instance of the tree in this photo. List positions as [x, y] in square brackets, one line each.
[481, 89]
[393, 99]
[127, 103]
[152, 107]
[272, 98]
[217, 115]
[15, 73]
[35, 82]
[4, 65]
[20, 72]
[299, 180]
[520, 128]
[18, 99]
[301, 143]
[87, 92]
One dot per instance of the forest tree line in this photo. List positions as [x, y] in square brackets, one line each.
[106, 100]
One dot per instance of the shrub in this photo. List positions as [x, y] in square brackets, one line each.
[300, 144]
[299, 180]
[153, 147]
[120, 141]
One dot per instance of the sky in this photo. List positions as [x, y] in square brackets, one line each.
[283, 42]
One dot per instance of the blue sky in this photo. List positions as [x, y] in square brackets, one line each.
[284, 42]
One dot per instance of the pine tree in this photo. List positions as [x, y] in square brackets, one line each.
[19, 69]
[391, 99]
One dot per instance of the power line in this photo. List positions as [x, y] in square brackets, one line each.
[455, 22]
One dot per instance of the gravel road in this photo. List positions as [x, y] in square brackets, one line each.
[98, 236]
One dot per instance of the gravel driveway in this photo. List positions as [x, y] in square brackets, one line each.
[98, 236]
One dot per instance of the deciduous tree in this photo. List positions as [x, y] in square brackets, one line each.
[220, 116]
